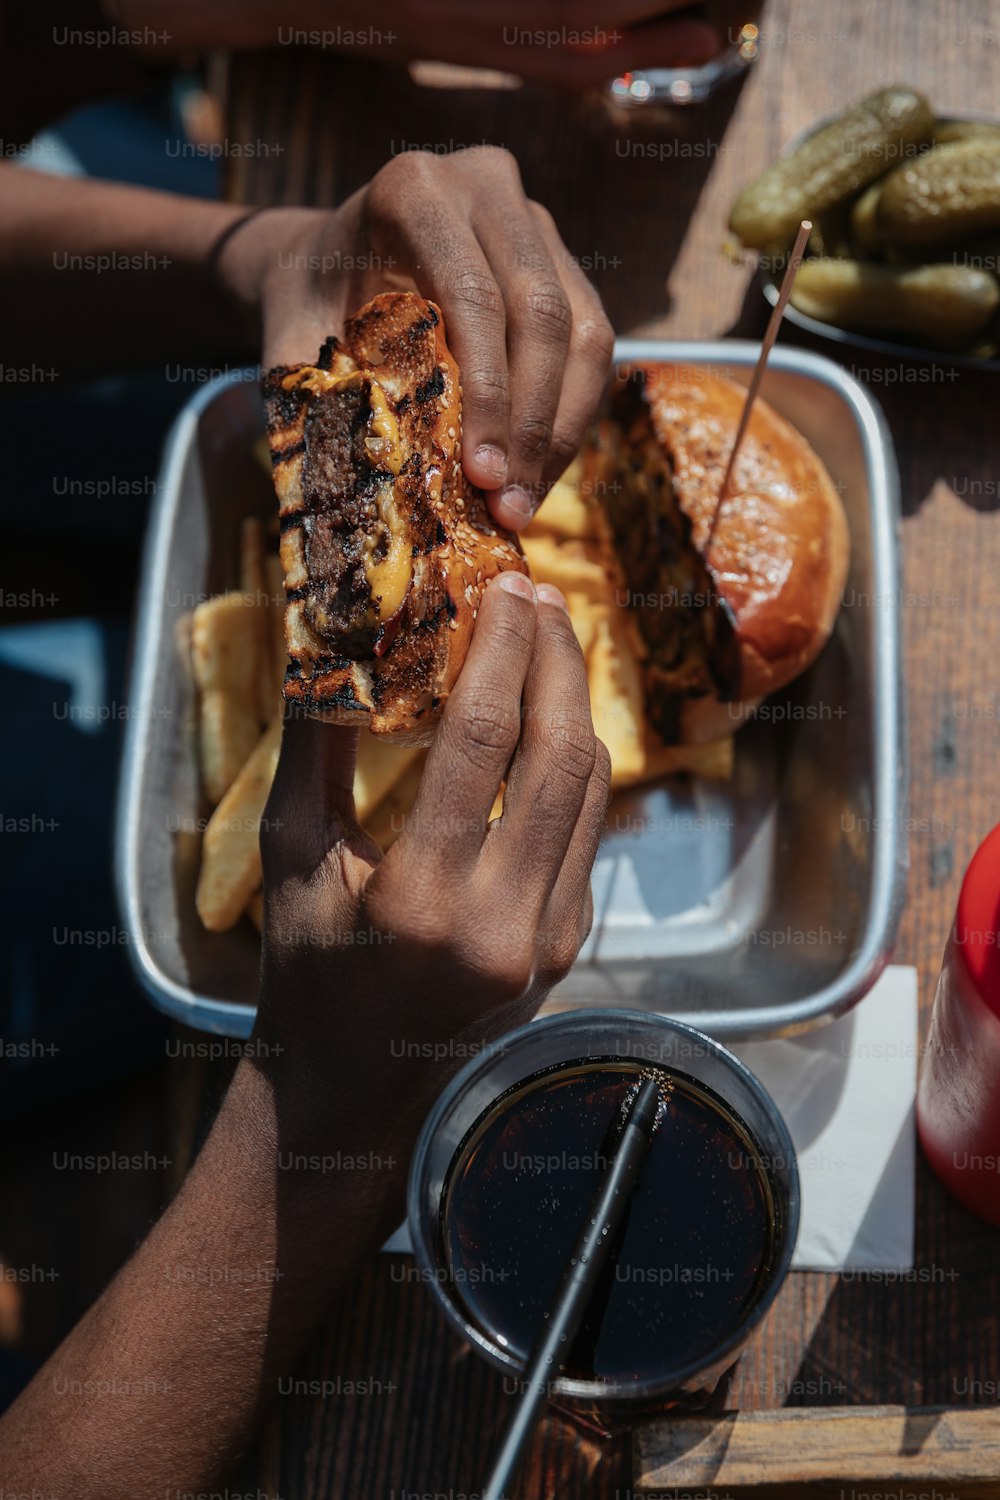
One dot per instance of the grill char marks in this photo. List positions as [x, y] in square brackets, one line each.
[433, 386]
[693, 648]
[283, 409]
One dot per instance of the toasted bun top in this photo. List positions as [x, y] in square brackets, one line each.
[781, 547]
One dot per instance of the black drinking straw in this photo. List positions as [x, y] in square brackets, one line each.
[585, 1266]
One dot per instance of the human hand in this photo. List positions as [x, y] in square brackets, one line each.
[525, 325]
[574, 46]
[382, 975]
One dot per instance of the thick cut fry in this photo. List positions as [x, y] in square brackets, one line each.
[569, 565]
[584, 613]
[387, 821]
[251, 556]
[569, 544]
[713, 762]
[616, 700]
[225, 662]
[230, 855]
[380, 765]
[565, 513]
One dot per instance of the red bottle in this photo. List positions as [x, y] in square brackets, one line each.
[958, 1100]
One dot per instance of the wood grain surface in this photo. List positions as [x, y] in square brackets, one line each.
[758, 1453]
[643, 201]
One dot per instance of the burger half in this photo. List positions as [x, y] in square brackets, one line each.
[386, 547]
[721, 625]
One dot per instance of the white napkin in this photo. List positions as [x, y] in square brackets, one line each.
[847, 1093]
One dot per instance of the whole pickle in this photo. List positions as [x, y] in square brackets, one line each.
[863, 226]
[950, 191]
[830, 236]
[946, 305]
[979, 251]
[833, 164]
[946, 132]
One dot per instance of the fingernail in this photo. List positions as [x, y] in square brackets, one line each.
[493, 463]
[517, 583]
[515, 507]
[549, 594]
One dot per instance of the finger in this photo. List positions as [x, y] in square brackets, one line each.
[552, 768]
[311, 803]
[684, 42]
[479, 730]
[416, 210]
[568, 18]
[539, 327]
[588, 363]
[568, 56]
[569, 912]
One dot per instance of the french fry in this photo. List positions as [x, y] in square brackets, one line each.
[386, 821]
[713, 762]
[616, 700]
[584, 613]
[230, 854]
[225, 663]
[569, 544]
[569, 565]
[251, 556]
[565, 513]
[380, 765]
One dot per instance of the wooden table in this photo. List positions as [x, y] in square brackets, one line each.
[650, 228]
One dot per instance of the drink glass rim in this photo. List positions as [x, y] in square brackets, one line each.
[422, 1232]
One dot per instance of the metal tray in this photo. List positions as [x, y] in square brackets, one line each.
[759, 907]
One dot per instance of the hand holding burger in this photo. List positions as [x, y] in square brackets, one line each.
[525, 326]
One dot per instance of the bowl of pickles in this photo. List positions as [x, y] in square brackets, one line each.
[904, 255]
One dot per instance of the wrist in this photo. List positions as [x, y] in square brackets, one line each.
[318, 1123]
[255, 261]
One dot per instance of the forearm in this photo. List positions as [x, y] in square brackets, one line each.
[159, 1385]
[93, 274]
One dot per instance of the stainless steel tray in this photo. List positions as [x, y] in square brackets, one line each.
[759, 907]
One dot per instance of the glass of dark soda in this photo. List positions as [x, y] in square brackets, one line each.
[507, 1168]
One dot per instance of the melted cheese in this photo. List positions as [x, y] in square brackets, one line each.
[321, 381]
[389, 577]
[382, 442]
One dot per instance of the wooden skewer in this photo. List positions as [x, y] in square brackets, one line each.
[794, 261]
